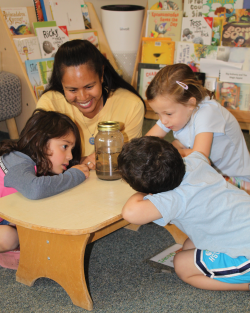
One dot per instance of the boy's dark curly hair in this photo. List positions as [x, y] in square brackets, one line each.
[151, 165]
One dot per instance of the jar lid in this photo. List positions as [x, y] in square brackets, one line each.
[108, 125]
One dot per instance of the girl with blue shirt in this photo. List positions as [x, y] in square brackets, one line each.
[198, 122]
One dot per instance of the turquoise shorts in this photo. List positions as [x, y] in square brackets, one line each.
[222, 267]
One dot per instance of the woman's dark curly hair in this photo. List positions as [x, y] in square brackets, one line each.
[151, 165]
[39, 129]
[77, 52]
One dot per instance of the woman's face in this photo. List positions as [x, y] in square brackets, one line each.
[83, 89]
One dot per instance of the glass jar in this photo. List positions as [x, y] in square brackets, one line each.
[108, 145]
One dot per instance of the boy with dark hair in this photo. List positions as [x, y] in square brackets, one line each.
[192, 195]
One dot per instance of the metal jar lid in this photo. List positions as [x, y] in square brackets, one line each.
[108, 126]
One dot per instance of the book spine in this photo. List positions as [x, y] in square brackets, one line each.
[44, 10]
[38, 9]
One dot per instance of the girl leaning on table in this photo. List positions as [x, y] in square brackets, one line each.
[42, 163]
[198, 122]
[86, 87]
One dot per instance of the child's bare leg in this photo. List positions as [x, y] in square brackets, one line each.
[8, 238]
[188, 244]
[189, 273]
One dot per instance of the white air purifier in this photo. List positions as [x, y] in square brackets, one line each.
[122, 27]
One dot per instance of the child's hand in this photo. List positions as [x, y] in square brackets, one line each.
[82, 167]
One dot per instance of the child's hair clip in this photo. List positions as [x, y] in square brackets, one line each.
[182, 85]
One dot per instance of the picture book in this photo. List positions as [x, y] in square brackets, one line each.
[39, 71]
[217, 31]
[50, 39]
[246, 4]
[234, 76]
[209, 8]
[43, 24]
[164, 24]
[157, 50]
[164, 260]
[46, 10]
[85, 15]
[239, 55]
[190, 54]
[90, 35]
[197, 30]
[234, 96]
[28, 48]
[146, 72]
[68, 13]
[165, 5]
[38, 10]
[17, 20]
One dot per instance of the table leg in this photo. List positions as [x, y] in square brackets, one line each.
[178, 235]
[55, 256]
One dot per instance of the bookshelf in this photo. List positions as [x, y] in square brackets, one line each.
[243, 117]
[11, 61]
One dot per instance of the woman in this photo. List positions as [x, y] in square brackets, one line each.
[85, 86]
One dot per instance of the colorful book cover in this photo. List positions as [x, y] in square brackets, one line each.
[197, 30]
[164, 24]
[146, 72]
[217, 31]
[43, 24]
[39, 71]
[157, 50]
[39, 11]
[165, 5]
[90, 35]
[209, 8]
[68, 13]
[17, 20]
[28, 48]
[234, 96]
[85, 15]
[50, 39]
[45, 18]
[190, 54]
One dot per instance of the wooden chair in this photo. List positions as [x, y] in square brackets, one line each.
[10, 101]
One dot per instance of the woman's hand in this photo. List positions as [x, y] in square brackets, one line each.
[89, 161]
[83, 168]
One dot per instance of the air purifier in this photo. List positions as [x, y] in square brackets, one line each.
[122, 27]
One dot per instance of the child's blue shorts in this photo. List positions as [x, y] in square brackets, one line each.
[4, 222]
[222, 267]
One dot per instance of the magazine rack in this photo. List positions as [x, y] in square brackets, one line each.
[243, 117]
[11, 61]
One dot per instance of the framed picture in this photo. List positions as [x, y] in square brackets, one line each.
[146, 72]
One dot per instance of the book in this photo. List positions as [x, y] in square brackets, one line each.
[234, 96]
[43, 24]
[235, 76]
[43, 10]
[39, 72]
[28, 48]
[46, 10]
[146, 72]
[90, 35]
[38, 10]
[85, 15]
[235, 55]
[164, 24]
[217, 31]
[50, 39]
[164, 260]
[157, 50]
[17, 20]
[246, 4]
[209, 8]
[197, 30]
[68, 13]
[165, 5]
[190, 54]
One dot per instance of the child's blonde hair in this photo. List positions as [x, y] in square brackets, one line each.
[171, 81]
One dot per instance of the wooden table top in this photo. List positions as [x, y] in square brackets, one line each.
[86, 208]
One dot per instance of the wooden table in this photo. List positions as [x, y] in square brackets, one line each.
[54, 232]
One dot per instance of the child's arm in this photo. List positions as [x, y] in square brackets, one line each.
[156, 131]
[202, 143]
[138, 211]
